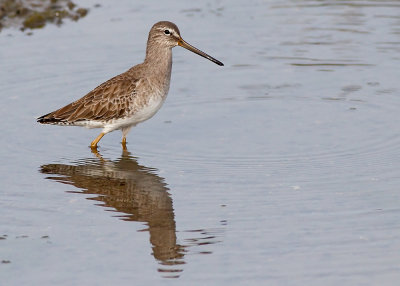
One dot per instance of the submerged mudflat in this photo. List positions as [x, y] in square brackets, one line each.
[33, 14]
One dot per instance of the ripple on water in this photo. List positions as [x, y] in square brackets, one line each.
[310, 147]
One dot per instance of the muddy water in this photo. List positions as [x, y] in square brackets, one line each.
[281, 168]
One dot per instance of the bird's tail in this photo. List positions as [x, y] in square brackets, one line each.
[50, 119]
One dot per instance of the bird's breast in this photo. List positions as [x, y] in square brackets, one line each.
[152, 105]
[146, 111]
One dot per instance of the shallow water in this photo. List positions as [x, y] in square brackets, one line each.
[280, 168]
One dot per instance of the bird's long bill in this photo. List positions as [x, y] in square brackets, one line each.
[185, 45]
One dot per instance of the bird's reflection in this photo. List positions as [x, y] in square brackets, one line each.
[134, 190]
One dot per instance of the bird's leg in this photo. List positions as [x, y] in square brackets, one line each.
[93, 145]
[125, 131]
[124, 143]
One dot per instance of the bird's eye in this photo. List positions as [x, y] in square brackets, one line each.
[167, 32]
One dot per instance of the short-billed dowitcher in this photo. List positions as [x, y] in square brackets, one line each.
[131, 97]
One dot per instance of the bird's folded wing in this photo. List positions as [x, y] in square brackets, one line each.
[110, 100]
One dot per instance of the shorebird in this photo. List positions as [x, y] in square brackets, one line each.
[131, 97]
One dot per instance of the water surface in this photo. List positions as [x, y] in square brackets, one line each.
[280, 168]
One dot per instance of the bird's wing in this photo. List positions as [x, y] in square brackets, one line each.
[110, 100]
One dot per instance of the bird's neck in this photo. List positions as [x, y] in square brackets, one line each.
[159, 61]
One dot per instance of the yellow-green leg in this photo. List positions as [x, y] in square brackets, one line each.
[124, 143]
[125, 131]
[93, 145]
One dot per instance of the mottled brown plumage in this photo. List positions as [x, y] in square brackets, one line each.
[111, 100]
[131, 97]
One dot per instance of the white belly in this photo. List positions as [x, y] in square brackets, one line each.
[151, 108]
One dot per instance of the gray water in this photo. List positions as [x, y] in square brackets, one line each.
[280, 168]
